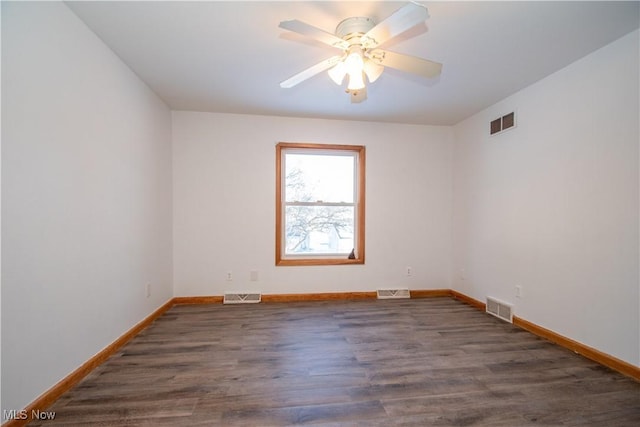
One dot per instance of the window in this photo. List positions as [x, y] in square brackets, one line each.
[319, 204]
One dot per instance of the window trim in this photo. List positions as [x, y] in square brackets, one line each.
[320, 259]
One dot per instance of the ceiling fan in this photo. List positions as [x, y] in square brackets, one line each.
[359, 38]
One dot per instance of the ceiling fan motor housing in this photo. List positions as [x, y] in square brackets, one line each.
[354, 27]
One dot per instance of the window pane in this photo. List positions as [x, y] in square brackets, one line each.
[314, 177]
[319, 230]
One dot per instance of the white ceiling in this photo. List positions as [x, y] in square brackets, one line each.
[230, 56]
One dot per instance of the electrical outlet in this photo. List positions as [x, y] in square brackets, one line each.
[229, 276]
[518, 291]
[253, 275]
[409, 271]
[148, 289]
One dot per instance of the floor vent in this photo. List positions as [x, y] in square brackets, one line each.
[393, 293]
[500, 309]
[237, 298]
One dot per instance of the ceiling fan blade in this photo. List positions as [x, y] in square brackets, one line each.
[310, 72]
[314, 33]
[400, 21]
[410, 64]
[357, 96]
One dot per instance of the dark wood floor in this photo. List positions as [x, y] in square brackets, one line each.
[425, 362]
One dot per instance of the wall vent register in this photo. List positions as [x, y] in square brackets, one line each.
[502, 123]
[241, 298]
[393, 293]
[500, 309]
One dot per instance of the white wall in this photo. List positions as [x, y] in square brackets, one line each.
[86, 198]
[552, 205]
[224, 204]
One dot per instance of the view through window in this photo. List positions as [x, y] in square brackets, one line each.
[320, 206]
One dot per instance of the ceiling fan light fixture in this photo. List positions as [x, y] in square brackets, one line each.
[372, 70]
[354, 64]
[354, 61]
[338, 72]
[356, 81]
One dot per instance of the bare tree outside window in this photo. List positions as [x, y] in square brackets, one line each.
[335, 223]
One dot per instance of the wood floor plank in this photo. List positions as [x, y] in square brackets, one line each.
[371, 363]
